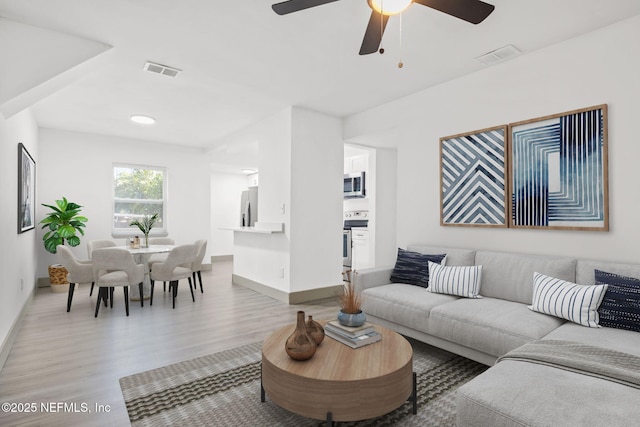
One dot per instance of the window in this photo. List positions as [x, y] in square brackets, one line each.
[138, 191]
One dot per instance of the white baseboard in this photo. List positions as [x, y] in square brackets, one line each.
[286, 297]
[13, 331]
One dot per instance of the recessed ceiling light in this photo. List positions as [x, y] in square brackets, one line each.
[249, 171]
[142, 119]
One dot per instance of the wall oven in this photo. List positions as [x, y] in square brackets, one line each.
[354, 185]
[357, 220]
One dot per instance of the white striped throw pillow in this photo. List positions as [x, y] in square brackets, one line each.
[567, 300]
[463, 281]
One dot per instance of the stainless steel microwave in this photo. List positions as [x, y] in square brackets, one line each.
[354, 185]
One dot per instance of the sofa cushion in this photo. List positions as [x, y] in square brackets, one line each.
[568, 300]
[489, 325]
[507, 276]
[463, 281]
[455, 256]
[412, 267]
[620, 307]
[585, 270]
[614, 339]
[404, 304]
[514, 393]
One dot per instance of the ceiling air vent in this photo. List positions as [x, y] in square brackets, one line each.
[165, 70]
[499, 55]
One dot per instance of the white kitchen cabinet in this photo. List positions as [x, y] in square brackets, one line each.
[360, 257]
[355, 163]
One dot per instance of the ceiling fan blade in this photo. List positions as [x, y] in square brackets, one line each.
[474, 11]
[373, 35]
[295, 5]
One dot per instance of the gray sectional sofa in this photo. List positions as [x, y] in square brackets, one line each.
[511, 392]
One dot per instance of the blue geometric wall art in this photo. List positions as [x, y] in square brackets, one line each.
[473, 179]
[558, 171]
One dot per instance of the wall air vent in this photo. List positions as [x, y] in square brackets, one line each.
[165, 70]
[499, 55]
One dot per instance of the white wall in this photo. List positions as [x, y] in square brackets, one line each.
[300, 168]
[259, 257]
[226, 190]
[385, 207]
[17, 251]
[317, 170]
[79, 167]
[600, 67]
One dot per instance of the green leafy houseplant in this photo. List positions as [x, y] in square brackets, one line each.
[64, 222]
[145, 226]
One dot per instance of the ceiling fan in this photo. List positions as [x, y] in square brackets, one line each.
[473, 11]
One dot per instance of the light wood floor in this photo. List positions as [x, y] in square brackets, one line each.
[74, 358]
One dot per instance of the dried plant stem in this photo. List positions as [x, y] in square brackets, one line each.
[350, 299]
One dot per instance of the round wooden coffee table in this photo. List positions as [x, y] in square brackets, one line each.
[340, 383]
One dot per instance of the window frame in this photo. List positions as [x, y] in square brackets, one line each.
[134, 231]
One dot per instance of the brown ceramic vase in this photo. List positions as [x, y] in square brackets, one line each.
[300, 345]
[315, 329]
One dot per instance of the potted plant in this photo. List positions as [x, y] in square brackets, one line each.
[350, 300]
[147, 223]
[64, 223]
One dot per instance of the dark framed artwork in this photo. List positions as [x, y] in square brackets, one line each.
[473, 180]
[558, 171]
[26, 190]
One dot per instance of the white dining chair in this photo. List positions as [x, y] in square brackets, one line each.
[92, 245]
[160, 257]
[161, 241]
[115, 267]
[80, 271]
[201, 246]
[174, 269]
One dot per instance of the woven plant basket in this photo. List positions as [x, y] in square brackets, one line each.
[58, 278]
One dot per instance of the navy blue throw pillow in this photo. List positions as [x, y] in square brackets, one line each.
[620, 307]
[413, 267]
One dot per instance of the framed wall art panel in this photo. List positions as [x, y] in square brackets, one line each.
[559, 171]
[473, 179]
[26, 190]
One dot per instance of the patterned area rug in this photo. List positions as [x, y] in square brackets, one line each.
[223, 389]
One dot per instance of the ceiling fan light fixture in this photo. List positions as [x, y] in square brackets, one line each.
[389, 7]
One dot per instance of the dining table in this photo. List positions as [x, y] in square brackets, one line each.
[141, 256]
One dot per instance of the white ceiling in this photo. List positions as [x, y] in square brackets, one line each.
[241, 62]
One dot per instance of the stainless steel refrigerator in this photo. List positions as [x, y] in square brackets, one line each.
[249, 207]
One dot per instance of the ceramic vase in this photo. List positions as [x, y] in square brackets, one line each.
[315, 329]
[354, 320]
[300, 345]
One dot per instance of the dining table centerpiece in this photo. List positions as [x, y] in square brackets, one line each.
[145, 225]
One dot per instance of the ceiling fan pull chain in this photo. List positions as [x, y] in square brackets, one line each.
[381, 50]
[400, 64]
